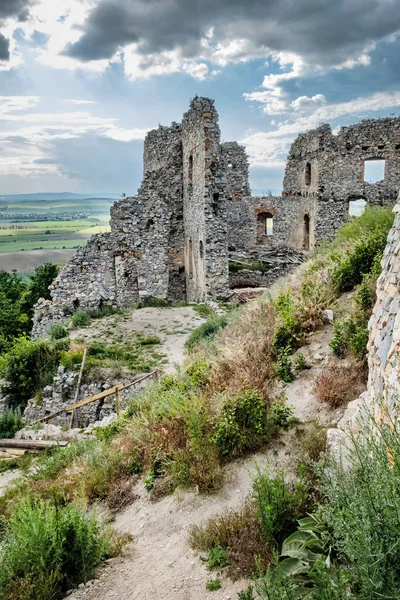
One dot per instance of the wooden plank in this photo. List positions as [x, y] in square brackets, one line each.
[13, 451]
[109, 392]
[31, 444]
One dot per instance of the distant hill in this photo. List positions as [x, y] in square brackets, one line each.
[57, 196]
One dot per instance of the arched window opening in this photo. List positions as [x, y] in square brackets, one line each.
[269, 225]
[306, 235]
[265, 227]
[374, 170]
[201, 249]
[190, 259]
[190, 171]
[307, 174]
[357, 207]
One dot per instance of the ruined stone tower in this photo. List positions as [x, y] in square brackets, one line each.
[172, 240]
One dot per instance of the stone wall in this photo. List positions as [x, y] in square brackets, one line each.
[204, 203]
[384, 326]
[171, 241]
[382, 398]
[332, 166]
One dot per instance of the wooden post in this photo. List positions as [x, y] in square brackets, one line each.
[117, 406]
[78, 386]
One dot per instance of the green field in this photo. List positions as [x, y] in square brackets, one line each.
[19, 233]
[97, 205]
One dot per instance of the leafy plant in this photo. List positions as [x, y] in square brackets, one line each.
[244, 424]
[207, 331]
[217, 558]
[27, 367]
[278, 505]
[10, 423]
[49, 548]
[58, 332]
[80, 319]
[213, 585]
[284, 365]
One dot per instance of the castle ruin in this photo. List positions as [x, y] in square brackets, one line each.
[173, 240]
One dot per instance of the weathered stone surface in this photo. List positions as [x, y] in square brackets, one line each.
[171, 240]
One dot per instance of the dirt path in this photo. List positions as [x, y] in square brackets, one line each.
[172, 325]
[161, 564]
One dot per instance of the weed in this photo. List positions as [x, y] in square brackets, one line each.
[80, 319]
[278, 505]
[217, 558]
[203, 310]
[284, 365]
[10, 423]
[300, 362]
[58, 332]
[340, 383]
[245, 424]
[49, 548]
[206, 332]
[213, 585]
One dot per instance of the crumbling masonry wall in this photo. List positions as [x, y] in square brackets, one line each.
[384, 336]
[204, 203]
[171, 241]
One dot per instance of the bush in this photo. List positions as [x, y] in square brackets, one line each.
[245, 423]
[27, 367]
[357, 262]
[49, 548]
[80, 319]
[278, 505]
[351, 334]
[284, 365]
[206, 332]
[10, 423]
[362, 515]
[338, 384]
[58, 332]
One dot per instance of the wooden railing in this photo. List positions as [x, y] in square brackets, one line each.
[114, 390]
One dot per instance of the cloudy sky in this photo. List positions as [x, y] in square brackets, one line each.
[81, 81]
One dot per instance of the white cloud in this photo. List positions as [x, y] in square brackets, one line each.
[306, 103]
[16, 103]
[27, 138]
[269, 149]
[274, 99]
[78, 102]
[264, 151]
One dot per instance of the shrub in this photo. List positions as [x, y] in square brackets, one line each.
[338, 384]
[350, 334]
[284, 365]
[245, 423]
[58, 332]
[213, 585]
[206, 332]
[358, 261]
[10, 423]
[278, 506]
[27, 367]
[362, 516]
[49, 548]
[80, 319]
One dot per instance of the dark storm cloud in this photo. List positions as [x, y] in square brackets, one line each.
[322, 31]
[4, 48]
[12, 8]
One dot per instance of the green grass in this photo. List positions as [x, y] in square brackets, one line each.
[18, 235]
